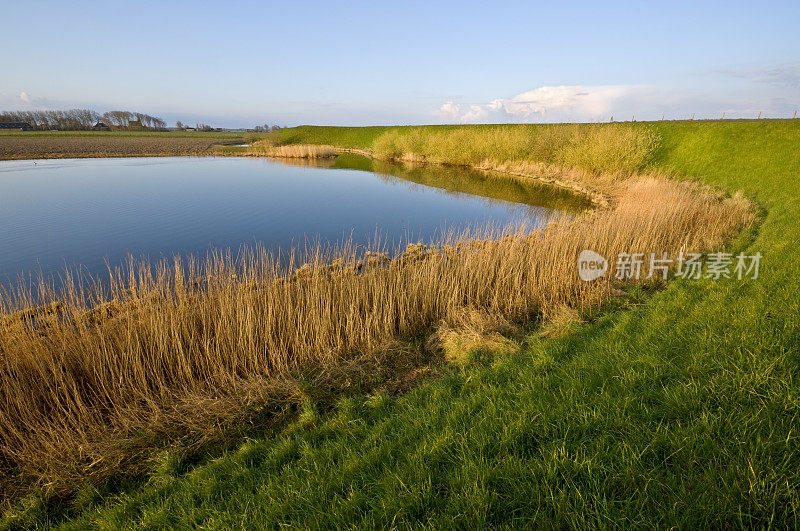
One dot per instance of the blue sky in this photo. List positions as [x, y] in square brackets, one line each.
[355, 63]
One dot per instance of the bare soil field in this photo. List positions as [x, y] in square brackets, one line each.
[15, 148]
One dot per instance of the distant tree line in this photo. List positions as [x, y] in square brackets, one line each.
[82, 119]
[180, 126]
[71, 120]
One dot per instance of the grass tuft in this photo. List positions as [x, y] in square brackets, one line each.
[471, 333]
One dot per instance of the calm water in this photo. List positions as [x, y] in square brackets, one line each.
[61, 213]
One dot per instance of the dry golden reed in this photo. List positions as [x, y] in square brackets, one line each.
[293, 151]
[95, 375]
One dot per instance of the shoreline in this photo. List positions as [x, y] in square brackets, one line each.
[597, 198]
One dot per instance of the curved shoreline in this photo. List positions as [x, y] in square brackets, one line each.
[597, 198]
[80, 147]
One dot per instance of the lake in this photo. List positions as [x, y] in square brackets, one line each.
[62, 213]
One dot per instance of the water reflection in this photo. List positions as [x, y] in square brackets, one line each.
[456, 180]
[93, 212]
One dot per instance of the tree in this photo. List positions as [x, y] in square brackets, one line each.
[117, 118]
[69, 120]
[80, 119]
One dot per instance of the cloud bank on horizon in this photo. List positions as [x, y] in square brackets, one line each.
[557, 103]
[593, 103]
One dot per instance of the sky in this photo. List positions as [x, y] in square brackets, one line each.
[245, 63]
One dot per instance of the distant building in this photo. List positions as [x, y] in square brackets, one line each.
[135, 125]
[100, 126]
[15, 126]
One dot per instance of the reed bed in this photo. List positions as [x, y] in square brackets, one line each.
[291, 151]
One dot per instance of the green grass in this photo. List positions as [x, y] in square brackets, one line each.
[679, 408]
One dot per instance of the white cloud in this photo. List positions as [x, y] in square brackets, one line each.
[448, 111]
[477, 113]
[543, 101]
[24, 101]
[561, 103]
[592, 103]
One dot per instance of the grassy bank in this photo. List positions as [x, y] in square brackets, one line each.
[682, 410]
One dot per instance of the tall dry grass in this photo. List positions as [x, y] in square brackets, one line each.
[267, 148]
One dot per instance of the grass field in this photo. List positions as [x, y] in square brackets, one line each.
[674, 408]
[107, 145]
[129, 134]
